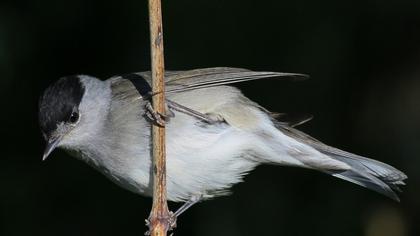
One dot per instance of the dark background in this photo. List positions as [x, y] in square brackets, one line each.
[363, 57]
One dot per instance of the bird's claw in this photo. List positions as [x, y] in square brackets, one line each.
[157, 117]
[171, 223]
[147, 222]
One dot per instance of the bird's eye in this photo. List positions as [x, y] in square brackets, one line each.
[74, 117]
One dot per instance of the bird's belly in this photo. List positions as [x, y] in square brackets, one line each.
[202, 159]
[206, 172]
[206, 160]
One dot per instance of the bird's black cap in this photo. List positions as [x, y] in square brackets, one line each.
[58, 101]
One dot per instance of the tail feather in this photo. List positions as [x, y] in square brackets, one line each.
[369, 173]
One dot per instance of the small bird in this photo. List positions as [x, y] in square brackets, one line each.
[215, 135]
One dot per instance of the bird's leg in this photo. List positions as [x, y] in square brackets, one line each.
[157, 117]
[193, 200]
[208, 118]
[161, 119]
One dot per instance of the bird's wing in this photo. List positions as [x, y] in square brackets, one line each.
[179, 81]
[210, 77]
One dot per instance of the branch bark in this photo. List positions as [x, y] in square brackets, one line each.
[159, 216]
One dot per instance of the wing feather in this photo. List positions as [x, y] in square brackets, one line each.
[179, 81]
[211, 77]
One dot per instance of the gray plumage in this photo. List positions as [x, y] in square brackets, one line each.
[203, 158]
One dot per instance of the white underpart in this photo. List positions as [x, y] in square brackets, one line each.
[207, 159]
[201, 159]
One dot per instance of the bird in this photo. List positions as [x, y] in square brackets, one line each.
[214, 134]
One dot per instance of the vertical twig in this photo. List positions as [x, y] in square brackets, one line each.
[159, 216]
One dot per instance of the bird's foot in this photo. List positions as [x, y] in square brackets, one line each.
[171, 223]
[172, 218]
[157, 117]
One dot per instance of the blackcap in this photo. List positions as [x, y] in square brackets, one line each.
[215, 135]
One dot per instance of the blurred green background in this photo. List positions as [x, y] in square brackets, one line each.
[364, 91]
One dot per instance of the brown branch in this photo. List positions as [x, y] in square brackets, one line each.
[159, 216]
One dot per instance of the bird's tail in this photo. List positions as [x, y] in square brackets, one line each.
[369, 173]
[363, 171]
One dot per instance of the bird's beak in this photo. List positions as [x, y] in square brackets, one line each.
[51, 145]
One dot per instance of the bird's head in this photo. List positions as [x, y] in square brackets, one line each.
[70, 111]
